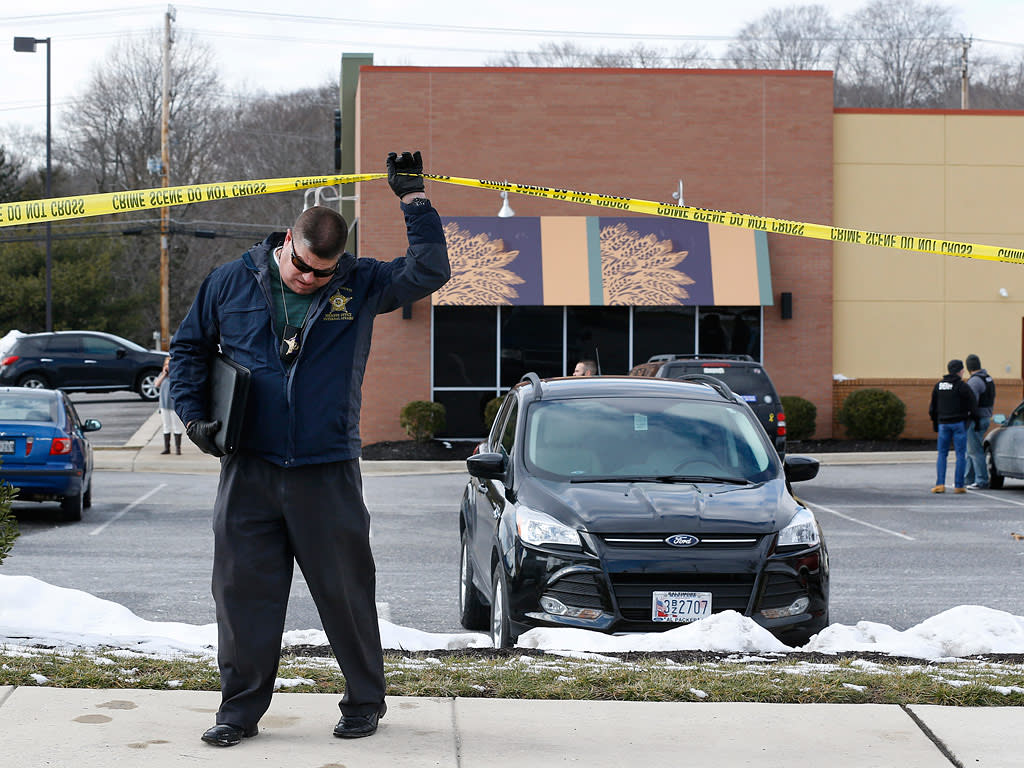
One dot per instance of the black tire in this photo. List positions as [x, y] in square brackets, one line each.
[472, 609]
[146, 385]
[34, 381]
[995, 480]
[501, 629]
[71, 507]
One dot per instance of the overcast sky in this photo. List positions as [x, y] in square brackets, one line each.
[280, 47]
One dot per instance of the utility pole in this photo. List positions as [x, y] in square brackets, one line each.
[165, 212]
[965, 44]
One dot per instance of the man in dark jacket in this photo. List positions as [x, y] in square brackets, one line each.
[952, 406]
[298, 311]
[984, 389]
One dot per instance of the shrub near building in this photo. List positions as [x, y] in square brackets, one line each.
[801, 417]
[873, 414]
[422, 420]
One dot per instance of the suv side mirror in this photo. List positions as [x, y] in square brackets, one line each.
[488, 466]
[800, 468]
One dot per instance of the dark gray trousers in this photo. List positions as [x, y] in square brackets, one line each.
[265, 517]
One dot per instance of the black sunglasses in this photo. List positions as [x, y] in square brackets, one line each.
[302, 266]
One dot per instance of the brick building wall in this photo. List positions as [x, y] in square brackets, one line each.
[916, 394]
[742, 141]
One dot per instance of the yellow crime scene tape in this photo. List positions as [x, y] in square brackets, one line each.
[63, 208]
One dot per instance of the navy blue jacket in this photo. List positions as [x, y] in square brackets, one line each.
[306, 413]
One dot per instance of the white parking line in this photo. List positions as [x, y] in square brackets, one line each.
[131, 506]
[860, 522]
[998, 498]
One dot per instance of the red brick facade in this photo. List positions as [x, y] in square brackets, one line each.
[741, 141]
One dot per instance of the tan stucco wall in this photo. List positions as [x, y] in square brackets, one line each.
[954, 176]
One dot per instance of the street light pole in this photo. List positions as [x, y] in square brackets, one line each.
[28, 45]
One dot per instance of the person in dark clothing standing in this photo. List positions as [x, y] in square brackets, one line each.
[298, 312]
[952, 406]
[984, 389]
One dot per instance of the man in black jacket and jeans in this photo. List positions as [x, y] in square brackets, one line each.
[953, 405]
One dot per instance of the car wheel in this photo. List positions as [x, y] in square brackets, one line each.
[147, 388]
[34, 381]
[472, 610]
[71, 507]
[995, 480]
[501, 630]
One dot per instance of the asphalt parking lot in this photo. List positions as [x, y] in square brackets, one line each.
[899, 554]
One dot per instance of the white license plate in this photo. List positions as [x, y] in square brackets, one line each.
[6, 446]
[680, 607]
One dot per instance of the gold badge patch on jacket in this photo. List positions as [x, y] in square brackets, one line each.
[339, 307]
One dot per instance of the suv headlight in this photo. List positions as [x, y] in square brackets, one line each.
[539, 529]
[802, 530]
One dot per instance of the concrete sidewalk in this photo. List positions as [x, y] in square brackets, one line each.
[84, 728]
[142, 454]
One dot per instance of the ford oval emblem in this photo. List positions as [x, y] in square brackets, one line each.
[682, 540]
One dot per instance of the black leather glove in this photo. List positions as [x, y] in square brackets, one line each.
[201, 433]
[408, 163]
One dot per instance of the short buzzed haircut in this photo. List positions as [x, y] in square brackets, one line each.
[973, 363]
[322, 230]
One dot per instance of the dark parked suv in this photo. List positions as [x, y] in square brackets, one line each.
[81, 361]
[624, 504]
[744, 376]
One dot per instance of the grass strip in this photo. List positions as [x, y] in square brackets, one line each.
[684, 676]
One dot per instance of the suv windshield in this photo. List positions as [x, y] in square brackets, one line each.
[657, 438]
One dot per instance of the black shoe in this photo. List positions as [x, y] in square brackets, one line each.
[357, 726]
[225, 735]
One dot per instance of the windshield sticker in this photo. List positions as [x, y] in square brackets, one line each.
[749, 398]
[639, 422]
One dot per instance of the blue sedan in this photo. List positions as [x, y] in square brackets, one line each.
[44, 452]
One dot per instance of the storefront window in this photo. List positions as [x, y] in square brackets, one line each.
[600, 334]
[464, 347]
[662, 331]
[467, 371]
[730, 330]
[531, 340]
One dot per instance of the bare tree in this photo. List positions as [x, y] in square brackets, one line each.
[11, 176]
[569, 54]
[795, 37]
[900, 53]
[265, 136]
[997, 84]
[114, 128]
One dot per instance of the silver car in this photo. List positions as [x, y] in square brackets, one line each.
[1004, 448]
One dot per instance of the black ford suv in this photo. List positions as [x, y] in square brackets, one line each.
[625, 504]
[744, 376]
[81, 361]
